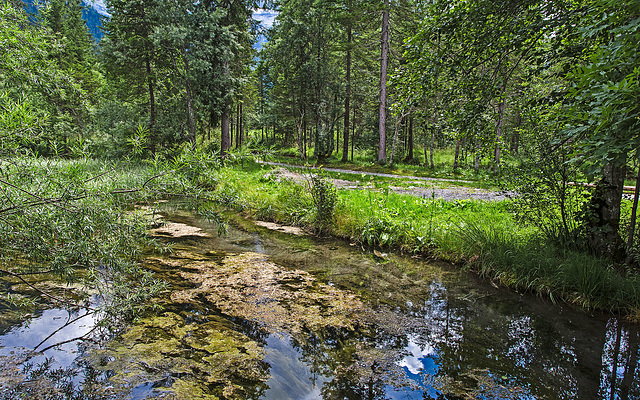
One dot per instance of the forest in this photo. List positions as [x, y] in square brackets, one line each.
[199, 105]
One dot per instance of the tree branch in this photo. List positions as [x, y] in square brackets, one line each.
[56, 298]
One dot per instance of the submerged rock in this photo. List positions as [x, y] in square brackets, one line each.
[178, 230]
[251, 287]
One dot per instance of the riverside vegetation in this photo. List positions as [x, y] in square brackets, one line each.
[482, 236]
[87, 226]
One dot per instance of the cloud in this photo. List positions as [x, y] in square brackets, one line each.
[99, 6]
[266, 17]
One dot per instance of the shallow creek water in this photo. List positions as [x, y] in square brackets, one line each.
[262, 314]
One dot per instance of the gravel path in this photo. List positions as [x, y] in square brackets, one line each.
[425, 187]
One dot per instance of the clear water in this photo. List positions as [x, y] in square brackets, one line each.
[420, 331]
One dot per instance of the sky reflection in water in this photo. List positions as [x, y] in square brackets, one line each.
[457, 338]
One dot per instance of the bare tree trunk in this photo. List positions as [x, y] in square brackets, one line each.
[499, 125]
[304, 140]
[476, 158]
[455, 158]
[382, 152]
[353, 134]
[431, 147]
[424, 148]
[515, 141]
[232, 129]
[240, 125]
[434, 124]
[301, 128]
[395, 135]
[152, 107]
[409, 156]
[634, 211]
[225, 138]
[238, 132]
[347, 98]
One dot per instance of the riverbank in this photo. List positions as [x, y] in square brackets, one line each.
[482, 236]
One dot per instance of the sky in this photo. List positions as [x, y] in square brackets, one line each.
[265, 17]
[99, 6]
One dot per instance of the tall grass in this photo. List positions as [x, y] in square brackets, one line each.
[527, 262]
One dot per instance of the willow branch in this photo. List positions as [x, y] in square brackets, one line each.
[56, 298]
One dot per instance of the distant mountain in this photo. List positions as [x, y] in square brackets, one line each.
[92, 12]
[93, 19]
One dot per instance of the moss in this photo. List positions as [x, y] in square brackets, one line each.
[251, 287]
[191, 361]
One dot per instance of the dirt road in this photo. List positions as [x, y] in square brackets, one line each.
[418, 186]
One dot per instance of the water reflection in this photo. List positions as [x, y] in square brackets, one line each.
[414, 331]
[291, 377]
[619, 376]
[55, 333]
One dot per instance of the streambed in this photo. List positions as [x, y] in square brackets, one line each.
[263, 314]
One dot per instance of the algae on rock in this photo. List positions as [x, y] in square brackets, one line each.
[189, 360]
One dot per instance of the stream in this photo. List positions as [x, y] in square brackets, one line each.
[266, 313]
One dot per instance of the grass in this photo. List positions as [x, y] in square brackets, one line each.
[477, 235]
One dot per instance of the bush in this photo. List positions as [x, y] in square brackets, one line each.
[325, 196]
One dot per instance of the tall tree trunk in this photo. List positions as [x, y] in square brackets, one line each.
[225, 138]
[499, 125]
[395, 135]
[431, 147]
[603, 212]
[455, 158]
[300, 128]
[304, 140]
[238, 131]
[434, 124]
[191, 120]
[424, 148]
[347, 98]
[476, 157]
[634, 213]
[382, 152]
[152, 106]
[409, 156]
[515, 140]
[232, 129]
[353, 134]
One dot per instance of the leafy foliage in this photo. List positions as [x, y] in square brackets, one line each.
[325, 197]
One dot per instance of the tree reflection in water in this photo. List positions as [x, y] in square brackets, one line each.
[619, 377]
[346, 326]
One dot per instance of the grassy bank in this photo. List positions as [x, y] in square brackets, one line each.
[477, 235]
